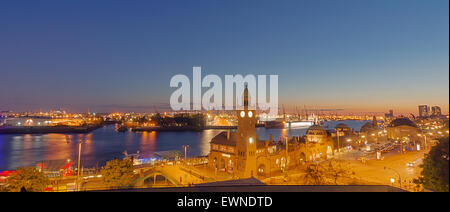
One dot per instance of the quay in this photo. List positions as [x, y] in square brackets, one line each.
[48, 129]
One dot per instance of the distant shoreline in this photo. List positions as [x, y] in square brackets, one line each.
[175, 129]
[186, 128]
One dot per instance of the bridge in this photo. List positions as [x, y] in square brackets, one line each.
[177, 175]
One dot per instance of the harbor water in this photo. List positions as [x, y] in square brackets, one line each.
[106, 144]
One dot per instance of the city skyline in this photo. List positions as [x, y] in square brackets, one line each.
[114, 57]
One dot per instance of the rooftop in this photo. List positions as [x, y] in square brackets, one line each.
[402, 122]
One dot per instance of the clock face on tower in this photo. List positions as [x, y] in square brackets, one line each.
[250, 114]
[242, 114]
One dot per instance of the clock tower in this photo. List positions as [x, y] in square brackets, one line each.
[246, 140]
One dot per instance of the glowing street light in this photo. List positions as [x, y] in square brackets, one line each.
[185, 153]
[392, 181]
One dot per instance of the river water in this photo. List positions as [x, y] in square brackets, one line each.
[105, 144]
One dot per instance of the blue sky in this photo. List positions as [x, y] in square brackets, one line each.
[120, 55]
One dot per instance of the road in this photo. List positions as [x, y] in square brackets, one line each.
[393, 165]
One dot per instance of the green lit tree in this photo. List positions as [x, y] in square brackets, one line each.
[435, 168]
[26, 179]
[118, 173]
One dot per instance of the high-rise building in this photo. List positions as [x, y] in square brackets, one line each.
[436, 111]
[423, 111]
[390, 115]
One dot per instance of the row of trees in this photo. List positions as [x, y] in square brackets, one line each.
[326, 173]
[26, 179]
[116, 174]
[435, 175]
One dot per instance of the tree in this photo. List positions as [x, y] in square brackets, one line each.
[118, 173]
[314, 174]
[434, 175]
[336, 170]
[27, 179]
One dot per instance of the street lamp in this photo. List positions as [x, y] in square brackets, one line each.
[392, 181]
[79, 161]
[185, 153]
[398, 174]
[425, 137]
[338, 146]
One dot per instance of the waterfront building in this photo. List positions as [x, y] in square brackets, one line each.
[401, 129]
[342, 129]
[244, 155]
[316, 133]
[42, 121]
[369, 131]
[343, 136]
[5, 114]
[26, 121]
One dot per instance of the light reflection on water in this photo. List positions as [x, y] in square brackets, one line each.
[105, 144]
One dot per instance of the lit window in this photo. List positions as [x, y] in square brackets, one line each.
[250, 140]
[242, 114]
[250, 114]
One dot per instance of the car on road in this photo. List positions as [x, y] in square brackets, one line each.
[410, 164]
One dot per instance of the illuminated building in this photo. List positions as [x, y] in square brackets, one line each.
[342, 129]
[370, 131]
[244, 155]
[343, 136]
[316, 133]
[27, 121]
[401, 128]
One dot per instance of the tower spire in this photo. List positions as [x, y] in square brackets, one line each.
[246, 97]
[246, 140]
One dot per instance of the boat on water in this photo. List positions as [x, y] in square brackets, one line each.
[289, 124]
[281, 124]
[135, 157]
[122, 128]
[299, 124]
[274, 124]
[138, 159]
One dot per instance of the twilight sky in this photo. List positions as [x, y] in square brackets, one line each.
[108, 56]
